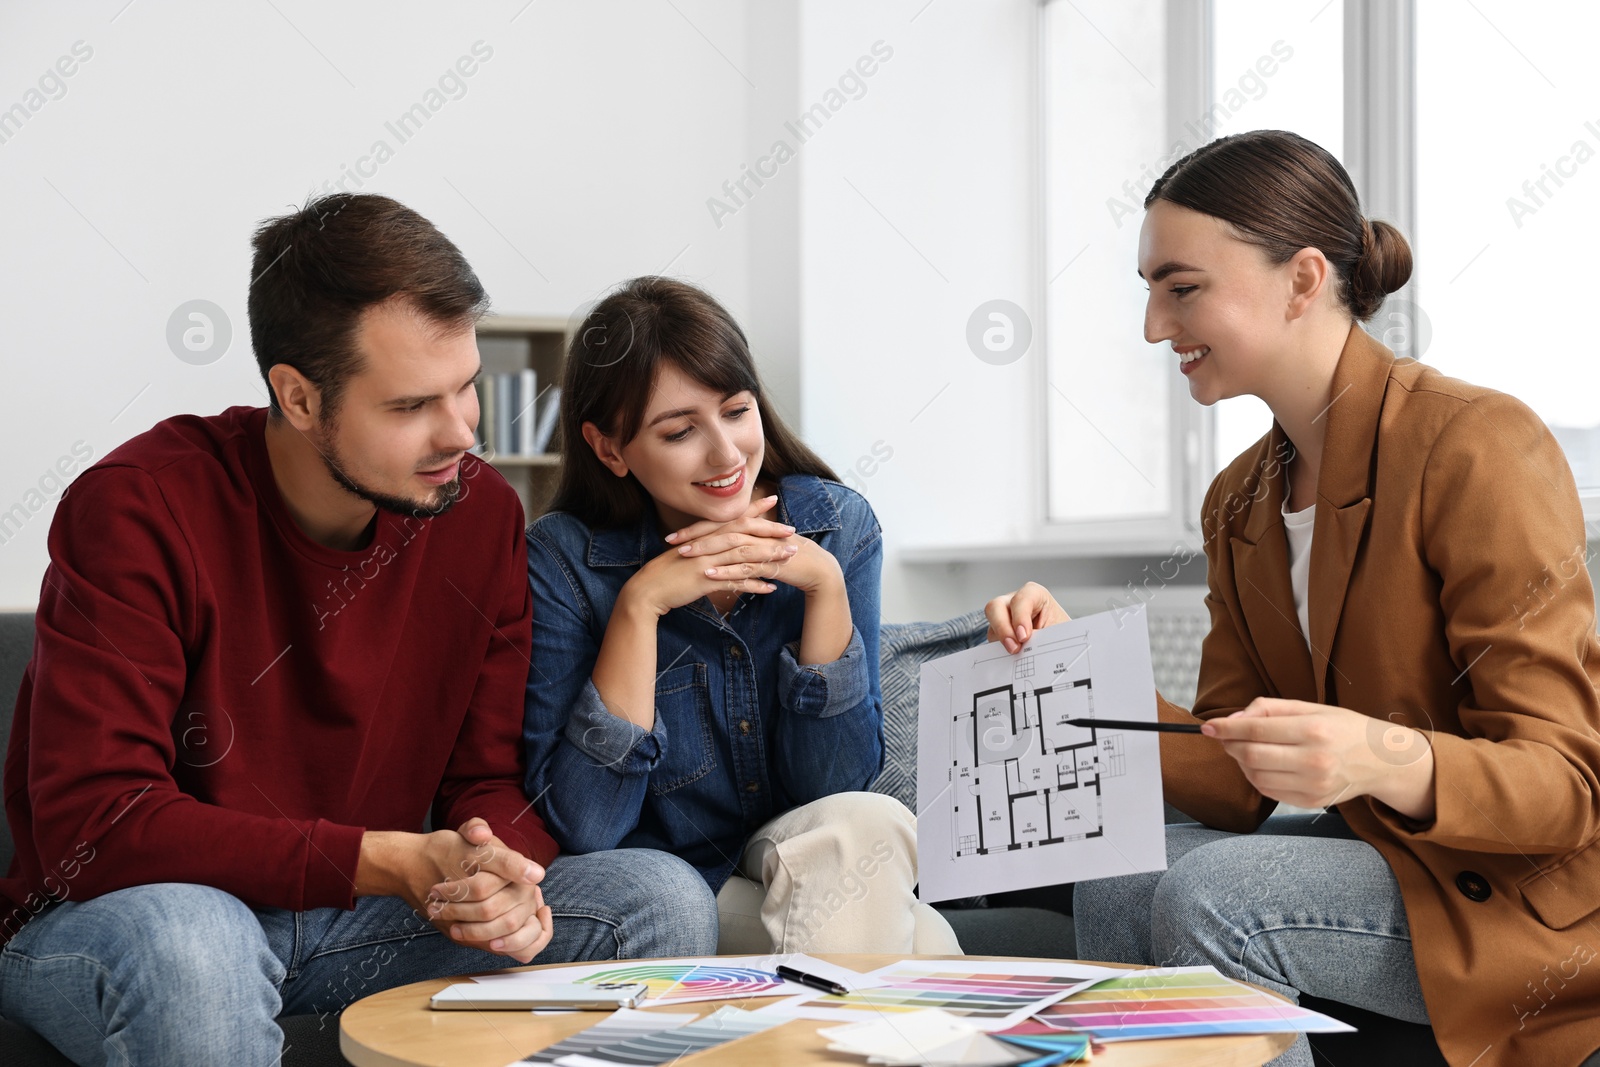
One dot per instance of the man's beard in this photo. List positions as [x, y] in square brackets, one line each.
[405, 507]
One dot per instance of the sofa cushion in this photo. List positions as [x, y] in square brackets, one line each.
[903, 648]
[16, 648]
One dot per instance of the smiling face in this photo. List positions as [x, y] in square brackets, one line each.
[406, 418]
[1225, 308]
[698, 452]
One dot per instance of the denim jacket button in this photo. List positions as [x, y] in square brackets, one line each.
[737, 652]
[752, 787]
[744, 726]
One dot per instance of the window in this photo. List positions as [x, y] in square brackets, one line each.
[1303, 46]
[1488, 127]
[1508, 203]
[1144, 82]
[1113, 466]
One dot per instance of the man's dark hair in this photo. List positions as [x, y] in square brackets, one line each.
[316, 270]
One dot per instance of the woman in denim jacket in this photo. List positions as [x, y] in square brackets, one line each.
[705, 652]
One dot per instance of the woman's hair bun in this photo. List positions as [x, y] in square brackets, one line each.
[1284, 193]
[1383, 267]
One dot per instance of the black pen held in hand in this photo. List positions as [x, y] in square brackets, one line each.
[1138, 724]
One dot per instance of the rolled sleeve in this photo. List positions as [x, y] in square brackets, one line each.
[824, 690]
[624, 747]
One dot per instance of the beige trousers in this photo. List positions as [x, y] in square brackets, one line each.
[834, 875]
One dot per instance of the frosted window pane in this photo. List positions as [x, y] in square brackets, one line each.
[1276, 65]
[1105, 118]
[1508, 204]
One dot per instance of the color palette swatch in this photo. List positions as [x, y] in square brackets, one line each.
[620, 1026]
[666, 1046]
[1177, 1002]
[1051, 1049]
[683, 982]
[990, 997]
[934, 1037]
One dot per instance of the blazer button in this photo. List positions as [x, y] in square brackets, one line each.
[1473, 886]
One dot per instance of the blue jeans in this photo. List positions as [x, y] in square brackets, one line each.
[186, 974]
[1300, 906]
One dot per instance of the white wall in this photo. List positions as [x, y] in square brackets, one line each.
[917, 206]
[581, 153]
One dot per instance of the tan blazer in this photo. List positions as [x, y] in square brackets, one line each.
[1449, 593]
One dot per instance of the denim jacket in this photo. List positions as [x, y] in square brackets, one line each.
[742, 731]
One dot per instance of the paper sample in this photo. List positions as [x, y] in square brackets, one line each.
[986, 996]
[1012, 797]
[620, 1026]
[686, 981]
[1175, 1002]
[718, 1028]
[928, 1038]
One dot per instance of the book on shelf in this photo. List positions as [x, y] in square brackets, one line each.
[514, 418]
[505, 407]
[486, 402]
[549, 413]
[525, 418]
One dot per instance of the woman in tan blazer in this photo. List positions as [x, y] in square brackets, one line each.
[1402, 631]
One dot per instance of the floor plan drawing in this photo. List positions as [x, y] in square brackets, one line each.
[1010, 794]
[1023, 776]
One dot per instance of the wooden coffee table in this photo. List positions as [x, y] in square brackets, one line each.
[396, 1028]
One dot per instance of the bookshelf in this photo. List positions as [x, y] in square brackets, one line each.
[515, 349]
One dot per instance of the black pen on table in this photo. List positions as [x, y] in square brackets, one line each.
[1138, 724]
[824, 984]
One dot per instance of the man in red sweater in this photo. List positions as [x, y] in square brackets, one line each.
[270, 644]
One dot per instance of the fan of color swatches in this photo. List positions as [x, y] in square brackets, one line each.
[935, 1037]
[1188, 1002]
[623, 1025]
[974, 995]
[668, 1046]
[666, 983]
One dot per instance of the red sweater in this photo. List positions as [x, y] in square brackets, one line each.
[215, 698]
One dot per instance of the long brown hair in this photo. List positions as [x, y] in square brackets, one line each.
[611, 372]
[1283, 193]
